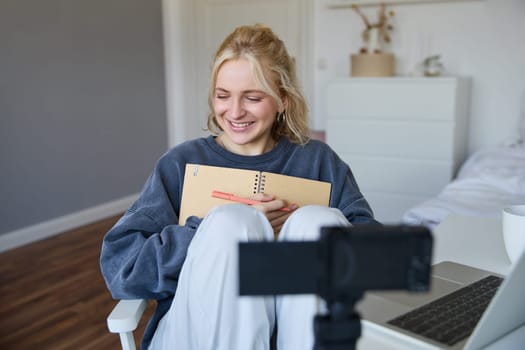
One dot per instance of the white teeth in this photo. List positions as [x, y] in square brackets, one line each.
[240, 125]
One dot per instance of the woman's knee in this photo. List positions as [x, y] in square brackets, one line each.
[306, 222]
[235, 221]
[317, 214]
[227, 225]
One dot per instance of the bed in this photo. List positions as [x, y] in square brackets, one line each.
[487, 181]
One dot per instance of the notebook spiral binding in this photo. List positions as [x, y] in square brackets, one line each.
[258, 186]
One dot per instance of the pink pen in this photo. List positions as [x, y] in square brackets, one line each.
[234, 198]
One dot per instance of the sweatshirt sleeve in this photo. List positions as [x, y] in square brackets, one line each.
[143, 253]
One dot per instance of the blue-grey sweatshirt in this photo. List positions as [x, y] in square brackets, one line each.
[143, 253]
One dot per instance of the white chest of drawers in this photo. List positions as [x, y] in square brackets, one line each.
[403, 138]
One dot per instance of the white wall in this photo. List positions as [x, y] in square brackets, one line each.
[482, 39]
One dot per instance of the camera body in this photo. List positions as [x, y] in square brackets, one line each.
[340, 267]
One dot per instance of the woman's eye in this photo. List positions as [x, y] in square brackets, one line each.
[254, 98]
[221, 97]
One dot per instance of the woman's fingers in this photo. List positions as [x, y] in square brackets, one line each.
[263, 197]
[268, 203]
[273, 210]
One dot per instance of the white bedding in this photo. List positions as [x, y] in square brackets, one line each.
[489, 179]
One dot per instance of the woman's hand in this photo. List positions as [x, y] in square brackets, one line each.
[272, 209]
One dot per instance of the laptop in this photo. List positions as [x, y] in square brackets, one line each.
[495, 307]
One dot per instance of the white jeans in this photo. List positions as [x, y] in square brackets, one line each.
[207, 312]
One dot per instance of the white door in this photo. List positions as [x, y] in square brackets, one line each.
[200, 30]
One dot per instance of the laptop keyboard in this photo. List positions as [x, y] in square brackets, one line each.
[452, 317]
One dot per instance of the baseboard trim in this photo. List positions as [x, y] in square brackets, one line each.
[53, 227]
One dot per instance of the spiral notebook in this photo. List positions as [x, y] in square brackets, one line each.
[201, 180]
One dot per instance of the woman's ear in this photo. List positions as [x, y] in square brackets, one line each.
[284, 100]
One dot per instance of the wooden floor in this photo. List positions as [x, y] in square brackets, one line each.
[53, 295]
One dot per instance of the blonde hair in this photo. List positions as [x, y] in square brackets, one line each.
[275, 74]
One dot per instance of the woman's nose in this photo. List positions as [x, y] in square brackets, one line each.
[237, 109]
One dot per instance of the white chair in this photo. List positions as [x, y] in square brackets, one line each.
[124, 319]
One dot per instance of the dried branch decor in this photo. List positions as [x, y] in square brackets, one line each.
[375, 33]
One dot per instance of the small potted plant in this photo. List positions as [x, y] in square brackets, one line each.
[372, 60]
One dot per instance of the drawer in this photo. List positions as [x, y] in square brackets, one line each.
[398, 175]
[392, 98]
[390, 208]
[396, 138]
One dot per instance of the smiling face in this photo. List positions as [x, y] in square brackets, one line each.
[244, 111]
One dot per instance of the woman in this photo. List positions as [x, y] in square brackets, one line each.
[258, 121]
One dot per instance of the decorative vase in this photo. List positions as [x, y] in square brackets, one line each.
[372, 65]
